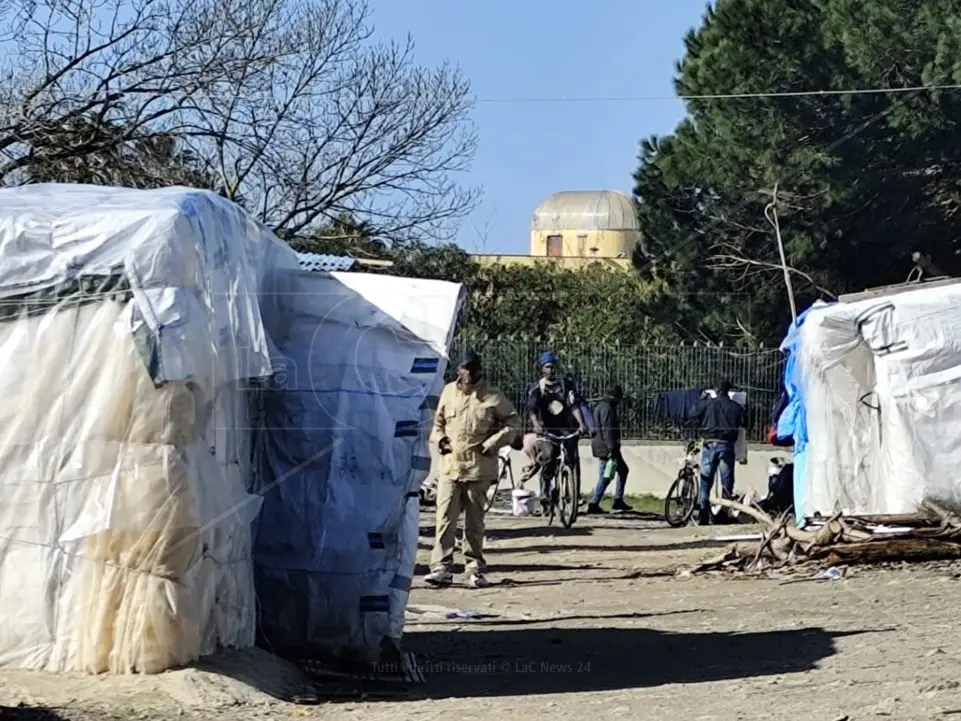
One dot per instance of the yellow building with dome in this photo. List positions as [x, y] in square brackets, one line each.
[577, 227]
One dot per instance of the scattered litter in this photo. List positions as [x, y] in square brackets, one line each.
[738, 537]
[829, 574]
[466, 615]
[883, 530]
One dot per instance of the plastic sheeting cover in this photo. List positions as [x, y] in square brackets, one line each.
[124, 520]
[344, 454]
[883, 398]
[792, 422]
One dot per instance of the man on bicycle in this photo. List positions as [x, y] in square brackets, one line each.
[554, 407]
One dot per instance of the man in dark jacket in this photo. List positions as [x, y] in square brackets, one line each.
[606, 446]
[719, 418]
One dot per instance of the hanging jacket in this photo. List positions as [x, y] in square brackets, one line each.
[676, 406]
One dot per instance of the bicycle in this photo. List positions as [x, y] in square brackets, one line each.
[684, 490]
[567, 481]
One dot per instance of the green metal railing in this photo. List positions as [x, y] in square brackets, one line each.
[643, 371]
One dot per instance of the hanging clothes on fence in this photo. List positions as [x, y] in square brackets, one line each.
[676, 406]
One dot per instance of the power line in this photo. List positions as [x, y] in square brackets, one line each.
[718, 96]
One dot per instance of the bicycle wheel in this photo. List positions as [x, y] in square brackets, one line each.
[681, 500]
[568, 500]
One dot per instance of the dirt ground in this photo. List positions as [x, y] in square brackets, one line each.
[589, 624]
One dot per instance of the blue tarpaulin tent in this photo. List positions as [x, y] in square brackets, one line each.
[792, 422]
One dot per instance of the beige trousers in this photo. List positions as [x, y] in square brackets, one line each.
[452, 496]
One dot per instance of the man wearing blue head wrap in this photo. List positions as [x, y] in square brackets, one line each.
[554, 407]
[547, 358]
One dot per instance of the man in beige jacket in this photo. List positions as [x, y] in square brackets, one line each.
[473, 421]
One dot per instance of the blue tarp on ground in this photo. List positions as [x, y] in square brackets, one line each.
[342, 452]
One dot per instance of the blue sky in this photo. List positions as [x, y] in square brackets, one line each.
[550, 48]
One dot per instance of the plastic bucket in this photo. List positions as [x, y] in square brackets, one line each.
[522, 502]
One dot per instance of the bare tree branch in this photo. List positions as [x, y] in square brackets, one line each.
[726, 257]
[287, 106]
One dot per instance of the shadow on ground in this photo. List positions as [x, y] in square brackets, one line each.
[614, 547]
[501, 534]
[506, 569]
[542, 661]
[23, 713]
[495, 620]
[557, 531]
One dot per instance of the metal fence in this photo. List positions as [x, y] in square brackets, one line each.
[643, 371]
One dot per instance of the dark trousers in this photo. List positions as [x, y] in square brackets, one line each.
[603, 483]
[549, 469]
[716, 454]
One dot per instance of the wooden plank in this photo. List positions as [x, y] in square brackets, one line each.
[900, 549]
[897, 519]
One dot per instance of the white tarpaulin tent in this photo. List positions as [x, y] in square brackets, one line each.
[128, 318]
[882, 393]
[131, 323]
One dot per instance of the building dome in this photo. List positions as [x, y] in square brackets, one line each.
[586, 210]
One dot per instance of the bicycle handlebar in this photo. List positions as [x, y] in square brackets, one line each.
[561, 439]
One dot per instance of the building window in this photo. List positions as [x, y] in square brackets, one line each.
[555, 246]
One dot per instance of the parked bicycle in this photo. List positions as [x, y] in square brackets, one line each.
[681, 501]
[682, 497]
[565, 494]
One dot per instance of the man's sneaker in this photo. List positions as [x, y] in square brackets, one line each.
[595, 509]
[478, 580]
[440, 578]
[621, 506]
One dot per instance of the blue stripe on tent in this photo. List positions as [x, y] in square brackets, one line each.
[407, 429]
[425, 365]
[376, 541]
[375, 604]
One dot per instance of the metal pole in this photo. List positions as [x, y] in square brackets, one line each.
[770, 212]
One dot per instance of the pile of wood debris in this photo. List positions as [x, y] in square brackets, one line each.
[932, 534]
